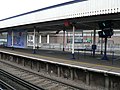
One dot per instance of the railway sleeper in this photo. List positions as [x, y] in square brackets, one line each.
[38, 81]
[44, 83]
[52, 87]
[33, 79]
[27, 77]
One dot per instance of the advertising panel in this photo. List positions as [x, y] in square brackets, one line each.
[19, 38]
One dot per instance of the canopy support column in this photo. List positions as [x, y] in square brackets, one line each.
[63, 40]
[94, 43]
[101, 46]
[40, 39]
[12, 39]
[34, 51]
[48, 39]
[73, 43]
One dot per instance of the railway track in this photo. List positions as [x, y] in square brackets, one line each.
[37, 80]
[5, 86]
[11, 82]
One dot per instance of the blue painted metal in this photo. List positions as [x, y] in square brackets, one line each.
[46, 8]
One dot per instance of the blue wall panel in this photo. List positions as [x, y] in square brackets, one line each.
[19, 38]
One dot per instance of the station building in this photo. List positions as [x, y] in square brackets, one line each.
[70, 24]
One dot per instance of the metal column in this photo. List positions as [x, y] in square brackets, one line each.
[48, 39]
[34, 41]
[105, 51]
[63, 40]
[12, 39]
[73, 43]
[37, 40]
[94, 42]
[40, 39]
[101, 46]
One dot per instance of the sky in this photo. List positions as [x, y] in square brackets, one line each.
[10, 8]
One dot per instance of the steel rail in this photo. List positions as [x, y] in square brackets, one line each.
[20, 81]
[6, 86]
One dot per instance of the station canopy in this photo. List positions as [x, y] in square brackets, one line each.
[83, 23]
[83, 14]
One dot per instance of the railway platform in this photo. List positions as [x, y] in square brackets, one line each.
[81, 58]
[86, 69]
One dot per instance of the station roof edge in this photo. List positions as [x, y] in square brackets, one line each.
[45, 8]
